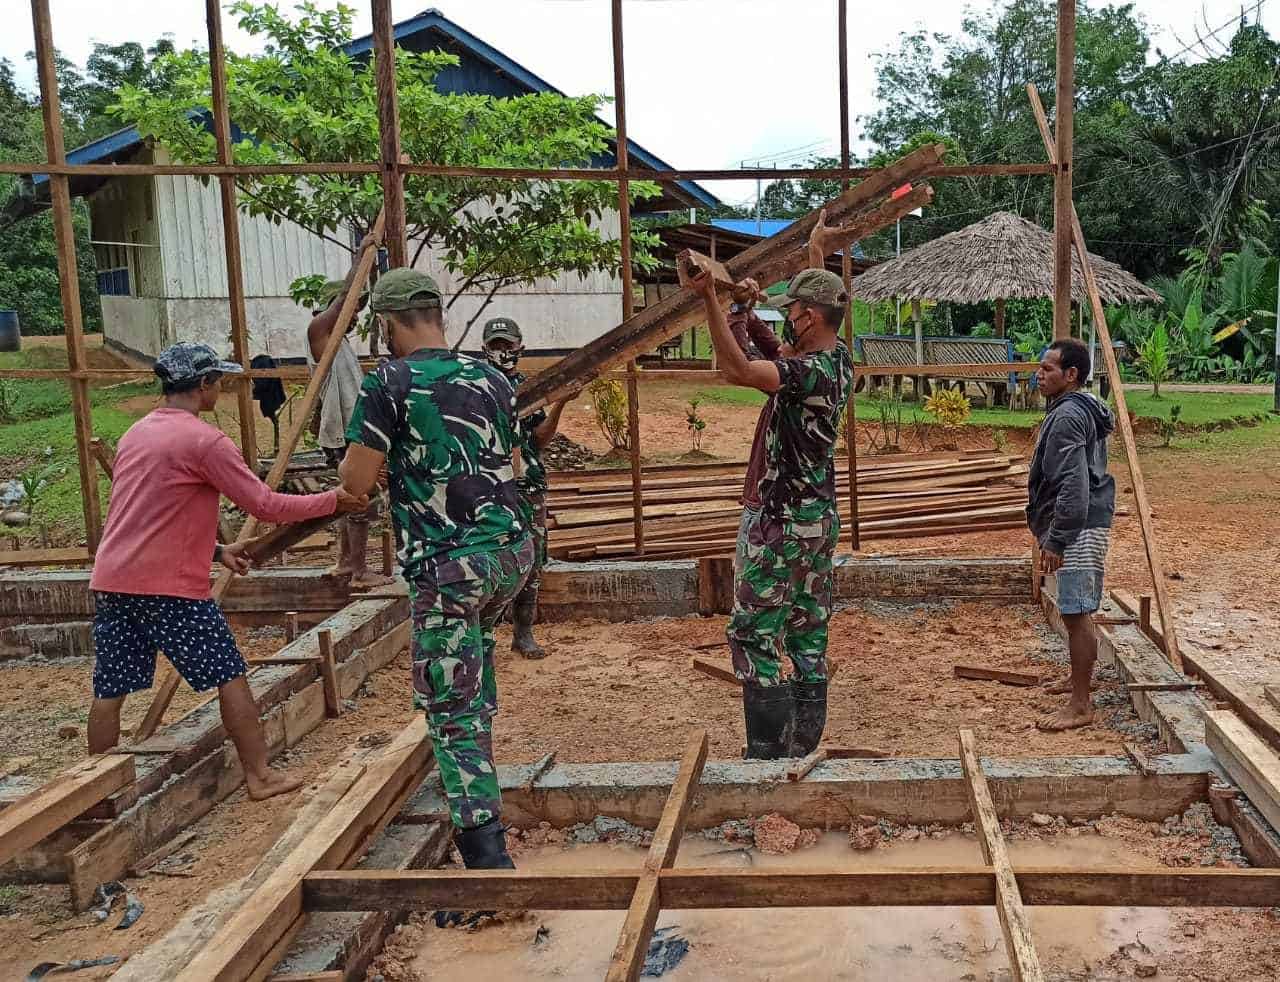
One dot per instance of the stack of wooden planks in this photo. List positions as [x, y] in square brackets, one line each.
[693, 511]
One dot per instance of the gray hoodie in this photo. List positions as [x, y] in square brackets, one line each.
[1069, 488]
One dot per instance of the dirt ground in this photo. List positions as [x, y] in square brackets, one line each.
[627, 692]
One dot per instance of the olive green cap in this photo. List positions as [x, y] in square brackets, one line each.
[500, 329]
[813, 286]
[404, 289]
[333, 289]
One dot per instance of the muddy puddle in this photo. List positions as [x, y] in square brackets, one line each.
[917, 943]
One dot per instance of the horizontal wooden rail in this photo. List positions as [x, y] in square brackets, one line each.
[508, 173]
[685, 889]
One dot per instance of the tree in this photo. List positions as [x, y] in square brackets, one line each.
[305, 99]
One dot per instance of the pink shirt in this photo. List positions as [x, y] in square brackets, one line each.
[162, 525]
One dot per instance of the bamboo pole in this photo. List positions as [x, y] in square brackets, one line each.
[628, 300]
[846, 269]
[1062, 204]
[68, 273]
[169, 685]
[231, 232]
[384, 58]
[1154, 560]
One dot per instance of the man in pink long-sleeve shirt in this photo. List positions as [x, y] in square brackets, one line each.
[151, 572]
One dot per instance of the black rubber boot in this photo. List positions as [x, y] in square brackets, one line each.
[769, 711]
[811, 716]
[483, 847]
[522, 640]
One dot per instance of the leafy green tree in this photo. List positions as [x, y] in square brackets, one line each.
[305, 99]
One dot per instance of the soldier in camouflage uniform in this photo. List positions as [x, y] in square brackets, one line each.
[783, 566]
[503, 346]
[445, 425]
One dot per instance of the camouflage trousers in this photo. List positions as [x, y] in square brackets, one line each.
[535, 509]
[782, 597]
[455, 606]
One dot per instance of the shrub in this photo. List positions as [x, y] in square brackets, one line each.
[609, 402]
[1153, 358]
[695, 423]
[949, 407]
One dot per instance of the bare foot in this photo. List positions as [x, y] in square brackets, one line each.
[1065, 719]
[275, 784]
[1062, 687]
[531, 653]
[338, 570]
[368, 580]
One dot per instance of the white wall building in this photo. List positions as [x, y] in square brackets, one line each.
[162, 265]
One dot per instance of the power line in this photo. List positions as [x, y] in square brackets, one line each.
[1212, 34]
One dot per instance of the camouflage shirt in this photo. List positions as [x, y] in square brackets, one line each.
[447, 425]
[534, 478]
[799, 477]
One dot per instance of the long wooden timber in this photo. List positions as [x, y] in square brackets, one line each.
[1018, 942]
[74, 791]
[693, 888]
[251, 942]
[768, 261]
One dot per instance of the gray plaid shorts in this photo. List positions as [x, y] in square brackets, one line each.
[1080, 576]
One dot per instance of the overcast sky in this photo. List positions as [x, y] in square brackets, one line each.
[710, 83]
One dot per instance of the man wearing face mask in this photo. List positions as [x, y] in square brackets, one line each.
[503, 346]
[790, 522]
[445, 425]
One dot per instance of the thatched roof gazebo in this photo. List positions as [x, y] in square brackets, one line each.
[1001, 257]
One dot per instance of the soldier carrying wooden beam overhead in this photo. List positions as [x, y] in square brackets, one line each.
[789, 530]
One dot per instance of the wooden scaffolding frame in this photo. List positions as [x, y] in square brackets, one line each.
[392, 169]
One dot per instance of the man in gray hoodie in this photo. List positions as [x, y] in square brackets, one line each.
[1071, 501]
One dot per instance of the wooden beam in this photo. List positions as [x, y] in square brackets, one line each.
[716, 888]
[21, 558]
[74, 791]
[1018, 942]
[68, 269]
[384, 60]
[642, 914]
[995, 675]
[1250, 761]
[1154, 562]
[771, 259]
[231, 232]
[169, 684]
[806, 764]
[1064, 135]
[273, 913]
[329, 676]
[105, 456]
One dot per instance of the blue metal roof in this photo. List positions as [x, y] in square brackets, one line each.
[464, 78]
[766, 228]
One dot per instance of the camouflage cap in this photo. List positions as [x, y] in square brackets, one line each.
[187, 360]
[404, 289]
[813, 286]
[501, 329]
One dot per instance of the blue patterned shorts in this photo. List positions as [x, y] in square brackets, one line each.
[128, 630]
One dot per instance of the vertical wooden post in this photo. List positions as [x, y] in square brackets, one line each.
[388, 553]
[628, 301]
[846, 269]
[999, 326]
[231, 232]
[290, 626]
[68, 274]
[1144, 614]
[384, 55]
[329, 676]
[1155, 563]
[1064, 135]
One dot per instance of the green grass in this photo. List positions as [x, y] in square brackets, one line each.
[731, 395]
[1200, 408]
